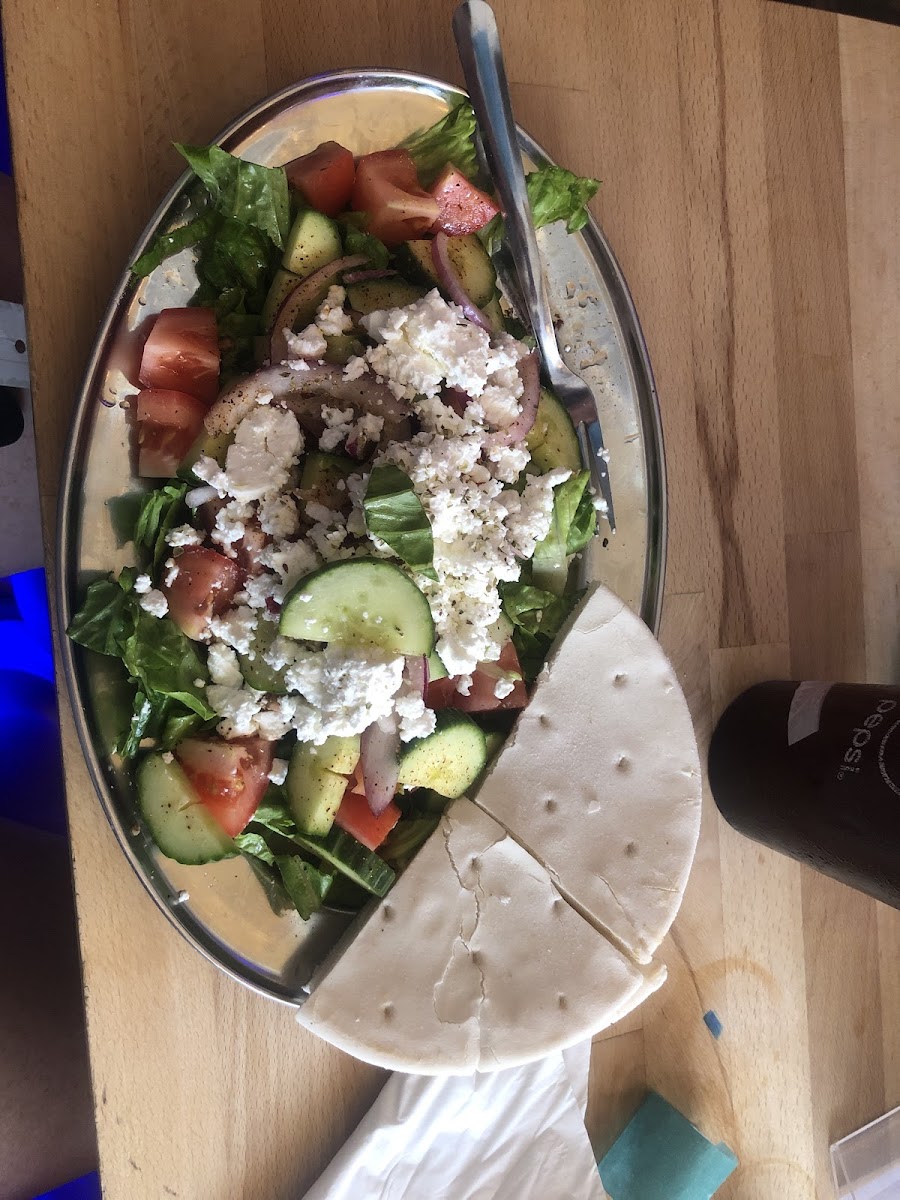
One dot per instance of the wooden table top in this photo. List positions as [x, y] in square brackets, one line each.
[751, 169]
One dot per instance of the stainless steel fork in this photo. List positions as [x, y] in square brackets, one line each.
[478, 43]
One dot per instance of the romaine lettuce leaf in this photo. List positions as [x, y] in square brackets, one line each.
[165, 661]
[356, 241]
[105, 620]
[450, 140]
[554, 194]
[394, 513]
[240, 230]
[246, 192]
[306, 885]
[160, 510]
[572, 525]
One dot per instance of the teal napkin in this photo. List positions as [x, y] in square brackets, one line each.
[659, 1155]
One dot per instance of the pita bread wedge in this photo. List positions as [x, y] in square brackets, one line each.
[600, 780]
[472, 962]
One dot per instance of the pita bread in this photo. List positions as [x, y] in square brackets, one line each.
[472, 962]
[601, 780]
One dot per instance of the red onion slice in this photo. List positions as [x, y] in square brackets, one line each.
[415, 671]
[450, 280]
[529, 372]
[362, 276]
[379, 754]
[304, 294]
[456, 399]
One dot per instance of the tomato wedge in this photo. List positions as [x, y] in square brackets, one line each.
[442, 693]
[356, 818]
[168, 425]
[464, 208]
[229, 778]
[204, 586]
[324, 177]
[387, 189]
[182, 352]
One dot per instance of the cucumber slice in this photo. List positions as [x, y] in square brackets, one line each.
[552, 441]
[494, 314]
[281, 287]
[256, 671]
[436, 668]
[341, 347]
[213, 445]
[468, 258]
[449, 760]
[315, 783]
[493, 740]
[339, 754]
[320, 477]
[182, 828]
[360, 602]
[352, 859]
[375, 294]
[313, 242]
[314, 792]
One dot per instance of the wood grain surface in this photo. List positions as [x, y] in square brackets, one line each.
[751, 169]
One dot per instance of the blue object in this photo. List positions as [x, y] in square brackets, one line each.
[713, 1024]
[32, 791]
[85, 1188]
[660, 1155]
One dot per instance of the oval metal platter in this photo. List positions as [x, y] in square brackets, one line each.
[223, 909]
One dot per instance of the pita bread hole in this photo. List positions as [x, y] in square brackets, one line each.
[388, 1011]
[631, 850]
[623, 763]
[620, 678]
[550, 804]
[561, 1000]
[544, 721]
[387, 912]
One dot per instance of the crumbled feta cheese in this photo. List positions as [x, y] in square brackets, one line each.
[171, 565]
[264, 397]
[331, 318]
[278, 773]
[266, 445]
[210, 472]
[416, 720]
[278, 516]
[290, 560]
[167, 756]
[238, 707]
[143, 584]
[464, 685]
[257, 590]
[231, 522]
[235, 627]
[430, 342]
[222, 664]
[276, 719]
[367, 429]
[355, 367]
[338, 426]
[184, 535]
[345, 690]
[503, 688]
[309, 343]
[154, 603]
[324, 515]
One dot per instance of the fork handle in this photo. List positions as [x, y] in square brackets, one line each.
[478, 42]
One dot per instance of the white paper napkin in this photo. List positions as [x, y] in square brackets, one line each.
[511, 1135]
